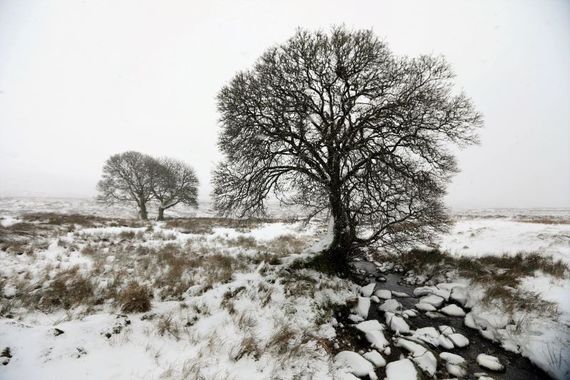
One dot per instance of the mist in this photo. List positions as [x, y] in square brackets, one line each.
[80, 81]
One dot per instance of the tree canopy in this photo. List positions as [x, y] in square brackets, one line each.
[335, 122]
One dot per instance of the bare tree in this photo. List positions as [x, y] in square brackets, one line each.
[126, 179]
[337, 122]
[173, 182]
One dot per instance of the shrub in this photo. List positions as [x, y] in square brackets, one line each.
[135, 298]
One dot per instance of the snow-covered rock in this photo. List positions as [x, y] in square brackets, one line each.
[397, 324]
[375, 358]
[373, 333]
[427, 363]
[355, 364]
[390, 305]
[459, 295]
[445, 342]
[426, 290]
[489, 362]
[415, 349]
[454, 364]
[400, 294]
[371, 325]
[469, 321]
[375, 299]
[432, 299]
[459, 340]
[403, 369]
[366, 291]
[425, 306]
[453, 311]
[384, 294]
[363, 306]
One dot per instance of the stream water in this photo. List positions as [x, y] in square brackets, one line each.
[517, 367]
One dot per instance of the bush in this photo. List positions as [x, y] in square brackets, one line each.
[135, 298]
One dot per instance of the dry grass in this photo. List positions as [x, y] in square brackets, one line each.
[206, 225]
[500, 276]
[135, 298]
[68, 289]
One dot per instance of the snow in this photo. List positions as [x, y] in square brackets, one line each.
[453, 311]
[366, 291]
[458, 340]
[390, 305]
[372, 330]
[396, 323]
[362, 307]
[489, 362]
[432, 299]
[355, 364]
[375, 358]
[383, 294]
[403, 369]
[490, 236]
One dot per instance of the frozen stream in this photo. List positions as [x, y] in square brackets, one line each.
[516, 366]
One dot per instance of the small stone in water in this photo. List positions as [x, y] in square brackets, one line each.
[489, 362]
[453, 311]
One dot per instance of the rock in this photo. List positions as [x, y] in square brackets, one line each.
[433, 300]
[426, 290]
[415, 349]
[381, 279]
[459, 295]
[57, 332]
[458, 340]
[403, 369]
[448, 357]
[355, 318]
[409, 313]
[454, 364]
[427, 363]
[375, 299]
[434, 314]
[400, 294]
[375, 358]
[425, 307]
[372, 325]
[366, 291]
[373, 333]
[490, 362]
[355, 364]
[363, 306]
[445, 342]
[446, 330]
[428, 335]
[376, 339]
[384, 294]
[390, 305]
[469, 321]
[387, 351]
[453, 311]
[397, 324]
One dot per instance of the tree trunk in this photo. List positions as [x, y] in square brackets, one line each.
[142, 211]
[160, 213]
[340, 247]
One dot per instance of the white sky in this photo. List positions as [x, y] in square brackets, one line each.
[81, 80]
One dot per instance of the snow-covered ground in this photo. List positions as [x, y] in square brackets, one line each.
[234, 308]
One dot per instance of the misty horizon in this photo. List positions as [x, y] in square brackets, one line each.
[79, 84]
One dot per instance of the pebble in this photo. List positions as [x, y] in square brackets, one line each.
[453, 311]
[490, 362]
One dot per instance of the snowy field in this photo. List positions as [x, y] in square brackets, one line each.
[107, 297]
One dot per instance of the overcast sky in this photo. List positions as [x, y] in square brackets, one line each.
[81, 80]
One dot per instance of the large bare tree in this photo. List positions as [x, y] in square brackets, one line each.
[335, 121]
[126, 180]
[173, 182]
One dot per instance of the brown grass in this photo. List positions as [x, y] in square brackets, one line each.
[135, 298]
[68, 289]
[206, 225]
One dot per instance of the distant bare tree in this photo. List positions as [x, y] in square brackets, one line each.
[126, 179]
[173, 182]
[337, 122]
